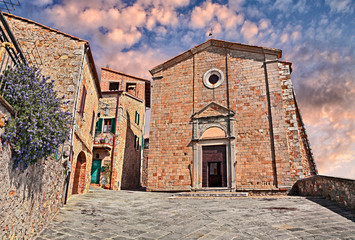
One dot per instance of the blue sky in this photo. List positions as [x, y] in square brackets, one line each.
[318, 36]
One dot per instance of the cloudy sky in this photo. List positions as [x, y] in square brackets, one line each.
[318, 36]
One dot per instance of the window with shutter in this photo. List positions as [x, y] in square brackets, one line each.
[113, 125]
[107, 125]
[99, 126]
[82, 102]
[92, 122]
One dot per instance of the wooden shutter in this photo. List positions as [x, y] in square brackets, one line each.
[99, 125]
[82, 102]
[137, 118]
[113, 125]
[92, 122]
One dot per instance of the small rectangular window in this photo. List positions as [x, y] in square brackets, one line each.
[131, 88]
[114, 86]
[82, 102]
[107, 125]
[136, 118]
[135, 141]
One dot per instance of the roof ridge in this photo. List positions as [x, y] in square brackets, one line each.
[43, 26]
[124, 74]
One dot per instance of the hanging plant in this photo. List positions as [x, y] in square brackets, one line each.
[40, 125]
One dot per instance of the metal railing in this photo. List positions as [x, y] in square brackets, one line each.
[11, 53]
[9, 5]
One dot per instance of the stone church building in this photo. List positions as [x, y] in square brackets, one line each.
[224, 115]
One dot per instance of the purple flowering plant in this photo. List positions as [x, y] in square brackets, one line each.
[40, 125]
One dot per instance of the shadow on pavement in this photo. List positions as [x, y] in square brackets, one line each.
[335, 207]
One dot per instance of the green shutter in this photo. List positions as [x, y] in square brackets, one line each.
[99, 125]
[113, 125]
[138, 119]
[135, 117]
[135, 141]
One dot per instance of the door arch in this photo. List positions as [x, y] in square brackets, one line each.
[80, 174]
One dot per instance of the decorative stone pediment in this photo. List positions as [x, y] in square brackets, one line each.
[213, 110]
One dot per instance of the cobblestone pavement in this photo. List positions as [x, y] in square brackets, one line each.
[103, 214]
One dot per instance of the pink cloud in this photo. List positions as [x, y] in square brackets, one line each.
[249, 30]
[209, 14]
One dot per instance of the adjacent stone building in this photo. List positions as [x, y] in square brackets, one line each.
[224, 115]
[68, 61]
[34, 196]
[120, 129]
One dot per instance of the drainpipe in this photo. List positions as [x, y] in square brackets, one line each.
[142, 146]
[66, 184]
[114, 140]
[271, 128]
[229, 152]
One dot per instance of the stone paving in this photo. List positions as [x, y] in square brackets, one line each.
[104, 214]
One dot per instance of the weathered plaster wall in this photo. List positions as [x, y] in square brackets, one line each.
[339, 190]
[30, 198]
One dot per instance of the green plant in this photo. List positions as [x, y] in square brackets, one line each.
[40, 125]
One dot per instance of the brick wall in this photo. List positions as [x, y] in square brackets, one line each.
[109, 75]
[179, 93]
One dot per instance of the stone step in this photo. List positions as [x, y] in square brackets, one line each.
[210, 194]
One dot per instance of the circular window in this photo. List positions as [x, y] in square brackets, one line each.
[213, 78]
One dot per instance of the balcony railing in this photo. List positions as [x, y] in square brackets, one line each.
[103, 140]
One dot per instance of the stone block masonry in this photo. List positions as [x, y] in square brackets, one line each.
[28, 199]
[68, 61]
[336, 189]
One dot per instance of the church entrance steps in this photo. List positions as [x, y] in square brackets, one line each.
[265, 192]
[211, 194]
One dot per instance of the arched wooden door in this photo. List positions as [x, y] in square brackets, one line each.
[80, 174]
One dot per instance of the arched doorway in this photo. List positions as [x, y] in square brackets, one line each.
[80, 174]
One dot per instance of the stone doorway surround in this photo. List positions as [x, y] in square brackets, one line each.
[213, 126]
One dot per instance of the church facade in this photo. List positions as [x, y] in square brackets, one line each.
[224, 115]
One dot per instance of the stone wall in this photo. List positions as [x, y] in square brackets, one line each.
[67, 60]
[28, 199]
[85, 128]
[339, 190]
[128, 155]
